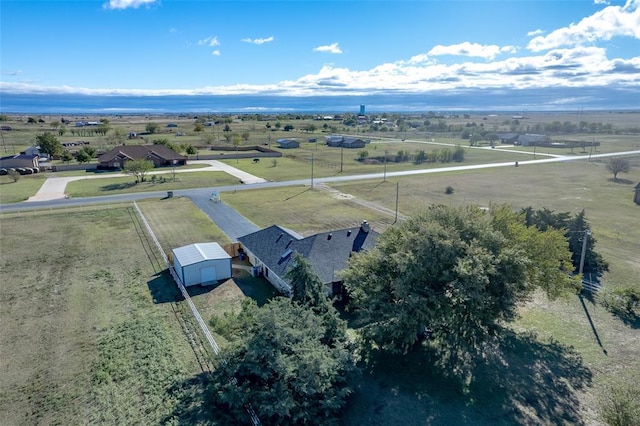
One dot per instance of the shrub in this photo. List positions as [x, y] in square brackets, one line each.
[13, 174]
[623, 301]
[620, 405]
[449, 190]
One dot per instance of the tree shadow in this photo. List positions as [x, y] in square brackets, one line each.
[621, 181]
[118, 186]
[298, 194]
[163, 288]
[593, 327]
[194, 405]
[630, 319]
[525, 382]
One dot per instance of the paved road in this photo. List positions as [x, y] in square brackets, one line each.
[300, 182]
[227, 219]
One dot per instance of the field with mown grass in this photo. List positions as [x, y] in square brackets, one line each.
[82, 340]
[25, 187]
[162, 182]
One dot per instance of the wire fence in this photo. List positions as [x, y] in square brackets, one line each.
[205, 330]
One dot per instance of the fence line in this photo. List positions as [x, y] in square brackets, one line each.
[252, 414]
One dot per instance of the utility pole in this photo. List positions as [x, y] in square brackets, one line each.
[584, 250]
[385, 167]
[397, 197]
[312, 170]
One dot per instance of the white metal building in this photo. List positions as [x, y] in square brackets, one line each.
[201, 263]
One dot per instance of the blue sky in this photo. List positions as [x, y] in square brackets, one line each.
[314, 48]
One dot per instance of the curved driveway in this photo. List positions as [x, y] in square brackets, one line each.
[54, 187]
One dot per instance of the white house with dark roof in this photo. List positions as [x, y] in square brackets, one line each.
[271, 251]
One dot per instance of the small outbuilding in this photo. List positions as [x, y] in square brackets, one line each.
[201, 263]
[636, 194]
[288, 143]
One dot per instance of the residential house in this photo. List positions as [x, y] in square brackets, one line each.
[344, 141]
[288, 143]
[271, 250]
[508, 138]
[333, 140]
[532, 139]
[350, 142]
[160, 155]
[20, 161]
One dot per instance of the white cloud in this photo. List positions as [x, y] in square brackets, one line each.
[173, 30]
[209, 41]
[612, 21]
[472, 49]
[535, 33]
[259, 40]
[215, 53]
[332, 48]
[601, 2]
[126, 4]
[13, 73]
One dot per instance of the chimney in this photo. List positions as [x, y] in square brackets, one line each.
[349, 233]
[365, 226]
[329, 236]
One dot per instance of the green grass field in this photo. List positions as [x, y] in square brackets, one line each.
[25, 187]
[82, 340]
[127, 185]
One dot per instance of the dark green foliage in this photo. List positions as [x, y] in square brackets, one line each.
[458, 154]
[283, 369]
[620, 405]
[307, 287]
[454, 275]
[623, 302]
[49, 144]
[449, 190]
[574, 228]
[165, 142]
[66, 156]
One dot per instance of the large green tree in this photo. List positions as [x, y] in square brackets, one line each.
[455, 275]
[138, 168]
[283, 370]
[49, 144]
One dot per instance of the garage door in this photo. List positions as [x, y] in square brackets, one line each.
[208, 274]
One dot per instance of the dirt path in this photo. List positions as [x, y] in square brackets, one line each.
[368, 204]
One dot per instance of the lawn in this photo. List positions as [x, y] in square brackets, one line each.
[304, 210]
[163, 182]
[82, 340]
[25, 187]
[331, 161]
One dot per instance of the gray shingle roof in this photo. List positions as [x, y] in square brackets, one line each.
[328, 252]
